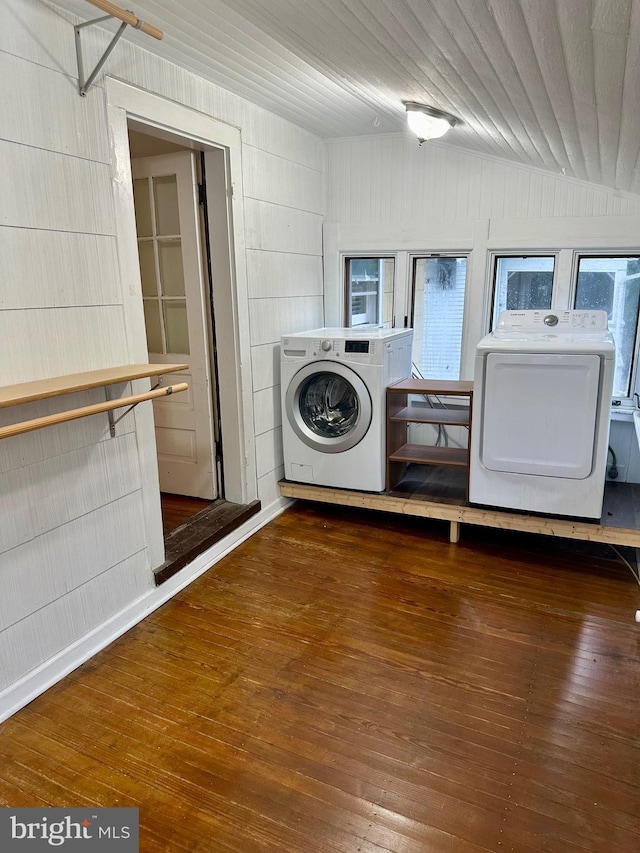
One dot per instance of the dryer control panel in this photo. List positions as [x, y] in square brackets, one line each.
[530, 322]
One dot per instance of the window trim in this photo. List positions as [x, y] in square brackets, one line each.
[346, 288]
[563, 295]
[414, 257]
[410, 303]
[494, 255]
[403, 283]
[634, 376]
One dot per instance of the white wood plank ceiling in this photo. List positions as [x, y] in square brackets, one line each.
[548, 83]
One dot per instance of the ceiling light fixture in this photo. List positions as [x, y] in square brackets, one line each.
[428, 122]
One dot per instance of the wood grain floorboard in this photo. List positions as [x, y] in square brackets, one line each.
[349, 682]
[176, 509]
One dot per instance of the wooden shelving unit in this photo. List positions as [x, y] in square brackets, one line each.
[400, 414]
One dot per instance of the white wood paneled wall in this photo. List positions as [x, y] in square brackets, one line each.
[73, 552]
[391, 180]
[283, 231]
[387, 194]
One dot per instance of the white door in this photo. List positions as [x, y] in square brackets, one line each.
[166, 203]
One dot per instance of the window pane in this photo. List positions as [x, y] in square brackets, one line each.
[165, 191]
[438, 313]
[152, 323]
[370, 291]
[142, 207]
[147, 268]
[521, 284]
[175, 326]
[171, 274]
[613, 285]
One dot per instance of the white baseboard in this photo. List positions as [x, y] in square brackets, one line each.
[49, 673]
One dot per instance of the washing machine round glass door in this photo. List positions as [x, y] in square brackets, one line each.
[329, 407]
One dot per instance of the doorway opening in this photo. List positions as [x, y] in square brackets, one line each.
[172, 204]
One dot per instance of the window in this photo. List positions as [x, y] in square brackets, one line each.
[369, 291]
[437, 315]
[609, 283]
[521, 283]
[161, 266]
[612, 284]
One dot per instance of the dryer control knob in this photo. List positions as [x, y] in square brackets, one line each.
[550, 320]
[326, 345]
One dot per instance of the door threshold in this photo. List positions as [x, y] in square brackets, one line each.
[200, 532]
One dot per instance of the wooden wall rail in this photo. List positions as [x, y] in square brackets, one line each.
[42, 389]
[127, 18]
[85, 411]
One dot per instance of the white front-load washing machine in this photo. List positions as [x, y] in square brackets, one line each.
[333, 403]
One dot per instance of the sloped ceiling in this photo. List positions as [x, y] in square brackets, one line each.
[548, 83]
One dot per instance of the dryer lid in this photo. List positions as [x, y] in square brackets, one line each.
[539, 414]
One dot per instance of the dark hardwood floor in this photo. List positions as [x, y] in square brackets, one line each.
[176, 509]
[201, 530]
[349, 682]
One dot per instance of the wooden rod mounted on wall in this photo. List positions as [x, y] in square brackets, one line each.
[113, 11]
[127, 18]
[85, 411]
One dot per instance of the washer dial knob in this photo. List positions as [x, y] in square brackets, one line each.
[326, 346]
[551, 320]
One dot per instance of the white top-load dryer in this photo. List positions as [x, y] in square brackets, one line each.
[541, 409]
[333, 403]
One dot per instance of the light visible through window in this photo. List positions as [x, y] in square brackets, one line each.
[522, 283]
[612, 284]
[370, 284]
[161, 264]
[438, 312]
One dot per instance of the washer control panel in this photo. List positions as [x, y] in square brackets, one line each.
[350, 349]
[357, 350]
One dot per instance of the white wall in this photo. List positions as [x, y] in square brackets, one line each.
[73, 548]
[387, 194]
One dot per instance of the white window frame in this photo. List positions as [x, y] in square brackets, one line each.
[409, 303]
[634, 379]
[565, 278]
[404, 261]
[346, 257]
[492, 262]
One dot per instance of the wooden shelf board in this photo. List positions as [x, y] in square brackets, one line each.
[483, 517]
[420, 415]
[432, 386]
[430, 455]
[41, 389]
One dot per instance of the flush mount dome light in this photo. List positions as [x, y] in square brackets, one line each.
[428, 122]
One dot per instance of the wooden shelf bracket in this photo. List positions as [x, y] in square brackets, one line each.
[128, 20]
